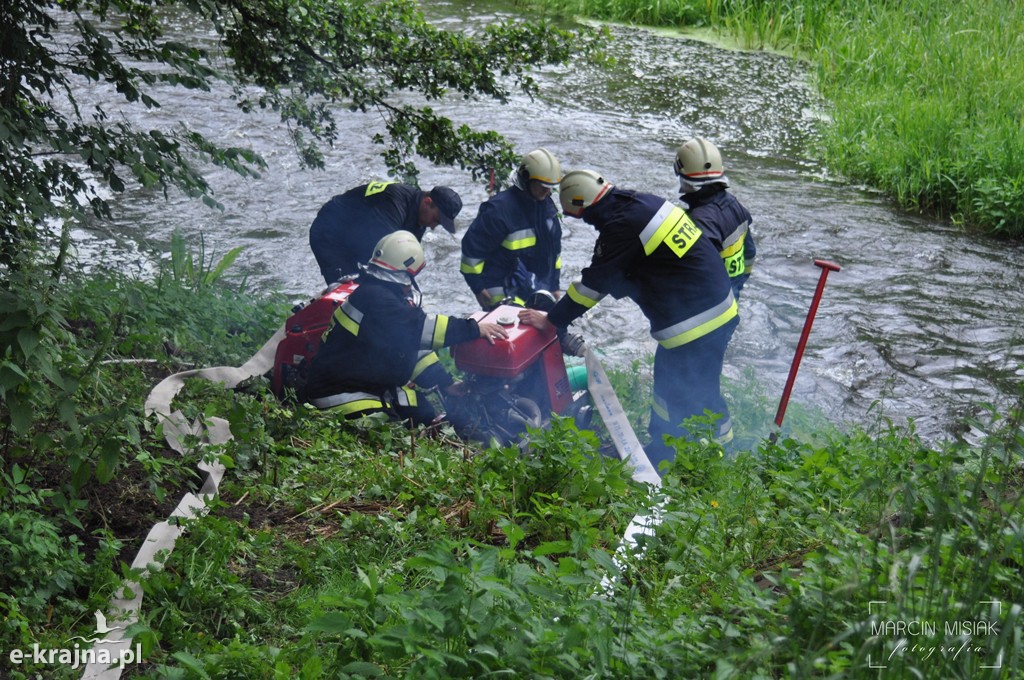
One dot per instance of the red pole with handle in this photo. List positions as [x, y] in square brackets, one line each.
[826, 267]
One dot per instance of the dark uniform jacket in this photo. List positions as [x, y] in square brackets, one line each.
[512, 227]
[725, 221]
[349, 225]
[649, 250]
[379, 340]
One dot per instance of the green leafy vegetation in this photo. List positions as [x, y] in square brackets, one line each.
[364, 549]
[924, 98]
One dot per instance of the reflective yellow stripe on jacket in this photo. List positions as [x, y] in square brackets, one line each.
[425, 361]
[434, 330]
[697, 325]
[583, 296]
[472, 265]
[671, 226]
[517, 240]
[348, 317]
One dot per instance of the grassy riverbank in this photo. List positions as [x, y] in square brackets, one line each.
[926, 102]
[338, 550]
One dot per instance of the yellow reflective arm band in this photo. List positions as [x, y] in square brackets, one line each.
[423, 364]
[729, 251]
[440, 330]
[519, 244]
[346, 321]
[580, 299]
[735, 264]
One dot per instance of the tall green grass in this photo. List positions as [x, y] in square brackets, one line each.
[927, 103]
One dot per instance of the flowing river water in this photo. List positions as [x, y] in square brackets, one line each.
[922, 322]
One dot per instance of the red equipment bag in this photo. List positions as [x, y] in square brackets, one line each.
[304, 332]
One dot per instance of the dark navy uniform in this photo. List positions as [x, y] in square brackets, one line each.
[650, 251]
[378, 342]
[725, 221]
[349, 225]
[513, 247]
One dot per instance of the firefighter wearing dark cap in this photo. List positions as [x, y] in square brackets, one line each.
[348, 226]
[380, 345]
[651, 252]
[513, 247]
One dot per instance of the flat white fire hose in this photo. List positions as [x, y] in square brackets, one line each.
[629, 448]
[124, 609]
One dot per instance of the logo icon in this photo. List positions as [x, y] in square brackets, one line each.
[101, 630]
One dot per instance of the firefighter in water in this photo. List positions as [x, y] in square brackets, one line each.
[719, 214]
[650, 251]
[380, 343]
[348, 226]
[513, 247]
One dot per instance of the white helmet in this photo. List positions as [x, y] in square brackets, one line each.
[398, 258]
[539, 165]
[698, 164]
[581, 189]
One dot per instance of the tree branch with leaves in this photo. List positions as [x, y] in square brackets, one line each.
[308, 60]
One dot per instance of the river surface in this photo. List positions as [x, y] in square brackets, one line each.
[922, 322]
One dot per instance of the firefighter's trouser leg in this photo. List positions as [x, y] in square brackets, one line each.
[409, 405]
[687, 380]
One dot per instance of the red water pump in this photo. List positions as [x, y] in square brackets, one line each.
[516, 383]
[508, 386]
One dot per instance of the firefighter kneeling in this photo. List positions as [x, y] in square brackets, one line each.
[379, 349]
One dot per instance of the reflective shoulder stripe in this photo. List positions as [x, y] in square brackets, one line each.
[697, 325]
[471, 265]
[517, 240]
[348, 317]
[671, 226]
[349, 403]
[376, 187]
[653, 235]
[425, 361]
[582, 295]
[434, 330]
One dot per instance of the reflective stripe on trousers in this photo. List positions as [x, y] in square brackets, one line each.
[349, 403]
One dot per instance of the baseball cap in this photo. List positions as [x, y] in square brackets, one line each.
[449, 203]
